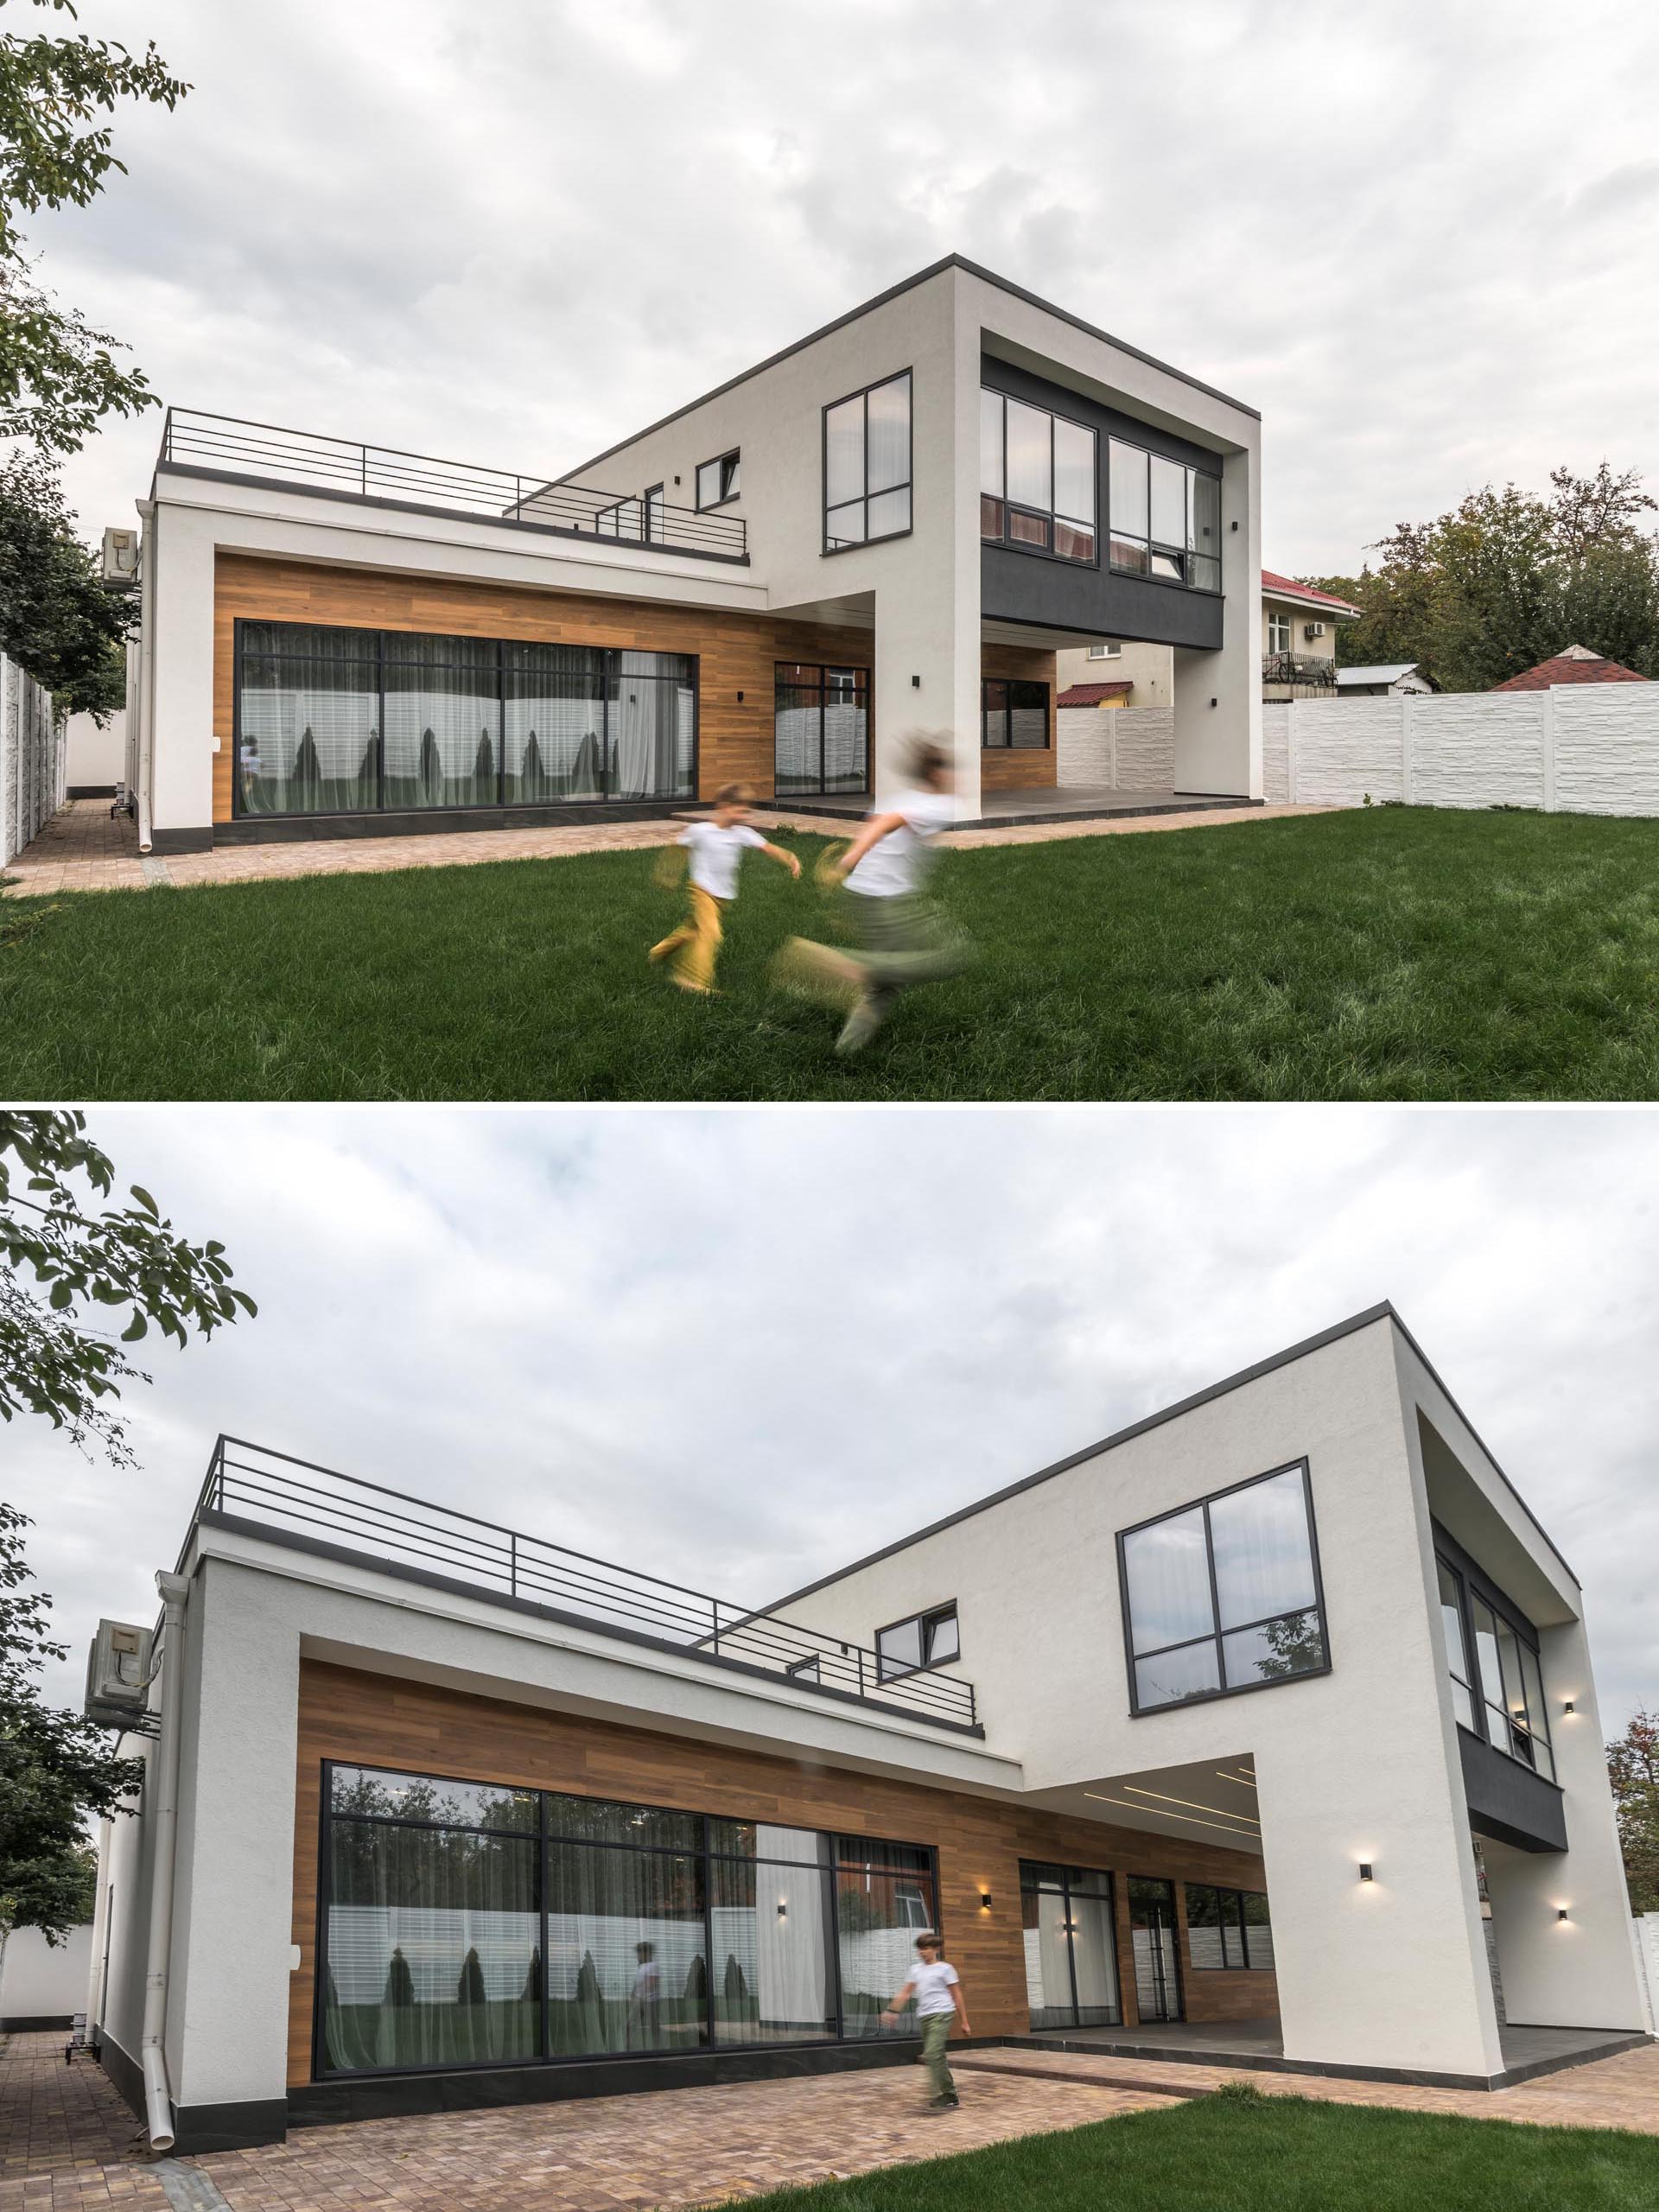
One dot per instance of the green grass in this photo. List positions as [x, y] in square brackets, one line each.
[1282, 2154]
[1388, 953]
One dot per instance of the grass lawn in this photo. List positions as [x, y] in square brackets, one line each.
[1388, 953]
[1280, 2154]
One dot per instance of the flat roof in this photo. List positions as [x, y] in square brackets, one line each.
[893, 292]
[1382, 1312]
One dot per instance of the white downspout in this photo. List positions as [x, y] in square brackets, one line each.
[158, 2103]
[150, 516]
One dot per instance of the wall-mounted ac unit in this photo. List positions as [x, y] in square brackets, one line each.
[118, 1674]
[120, 556]
[1312, 629]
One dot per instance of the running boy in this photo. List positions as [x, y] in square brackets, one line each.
[904, 940]
[937, 1990]
[715, 849]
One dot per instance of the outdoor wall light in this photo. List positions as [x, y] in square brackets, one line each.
[1365, 1873]
[740, 699]
[984, 1900]
[1561, 1913]
[1569, 1707]
[915, 683]
[783, 1912]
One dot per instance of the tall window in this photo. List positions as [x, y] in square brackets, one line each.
[1224, 1594]
[720, 479]
[867, 465]
[352, 722]
[1036, 479]
[1457, 1645]
[1013, 715]
[1166, 518]
[1511, 1687]
[1278, 632]
[466, 1924]
[1070, 1946]
[1228, 1928]
[821, 729]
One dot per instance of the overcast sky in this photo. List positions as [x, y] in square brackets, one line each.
[738, 1349]
[1420, 238]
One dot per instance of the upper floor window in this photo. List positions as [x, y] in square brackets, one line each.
[719, 479]
[655, 515]
[867, 465]
[1278, 632]
[1224, 1594]
[1511, 1688]
[1166, 518]
[1036, 479]
[1457, 1646]
[1110, 651]
[924, 1640]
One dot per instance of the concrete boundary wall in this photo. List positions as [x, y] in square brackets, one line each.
[1577, 748]
[1126, 748]
[32, 759]
[1644, 1933]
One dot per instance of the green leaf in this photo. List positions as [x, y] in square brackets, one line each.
[136, 1328]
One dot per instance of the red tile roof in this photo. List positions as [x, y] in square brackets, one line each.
[1093, 694]
[1288, 585]
[1574, 667]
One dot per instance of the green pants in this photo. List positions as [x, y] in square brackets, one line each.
[903, 941]
[936, 2034]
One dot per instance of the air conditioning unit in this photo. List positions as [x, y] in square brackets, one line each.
[1312, 629]
[118, 1674]
[120, 556]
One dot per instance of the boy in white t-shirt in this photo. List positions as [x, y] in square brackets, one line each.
[904, 940]
[714, 851]
[938, 1990]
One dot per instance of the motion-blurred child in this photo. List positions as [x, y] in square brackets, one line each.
[714, 851]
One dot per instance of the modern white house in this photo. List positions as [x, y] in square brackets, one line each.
[1263, 1732]
[890, 526]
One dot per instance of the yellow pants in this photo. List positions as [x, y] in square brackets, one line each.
[696, 943]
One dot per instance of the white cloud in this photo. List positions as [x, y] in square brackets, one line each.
[1418, 238]
[737, 1348]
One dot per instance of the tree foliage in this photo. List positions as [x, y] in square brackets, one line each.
[1505, 580]
[1633, 1769]
[58, 620]
[54, 1766]
[58, 96]
[52, 1360]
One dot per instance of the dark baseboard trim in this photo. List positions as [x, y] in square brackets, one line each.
[90, 790]
[1243, 2062]
[324, 2104]
[180, 841]
[240, 2126]
[306, 828]
[27, 2024]
[126, 2073]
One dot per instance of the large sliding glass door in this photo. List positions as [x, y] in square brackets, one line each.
[352, 721]
[1156, 1939]
[821, 729]
[1070, 1956]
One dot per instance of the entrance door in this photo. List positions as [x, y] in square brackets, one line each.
[1157, 1956]
[821, 729]
[1071, 1959]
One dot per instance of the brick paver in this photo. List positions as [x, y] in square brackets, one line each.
[66, 2135]
[81, 849]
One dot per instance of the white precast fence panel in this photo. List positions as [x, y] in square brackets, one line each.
[1124, 748]
[32, 755]
[1644, 1933]
[1585, 748]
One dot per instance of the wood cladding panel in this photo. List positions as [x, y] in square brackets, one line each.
[735, 653]
[382, 1720]
[1000, 767]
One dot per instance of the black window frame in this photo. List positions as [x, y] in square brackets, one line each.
[1035, 1886]
[1524, 1633]
[861, 689]
[906, 377]
[1216, 1635]
[610, 657]
[926, 1621]
[1470, 1657]
[830, 1864]
[730, 479]
[1241, 1925]
[658, 493]
[1185, 554]
[1005, 743]
[1051, 514]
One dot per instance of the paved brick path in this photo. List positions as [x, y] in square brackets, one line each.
[65, 2134]
[81, 849]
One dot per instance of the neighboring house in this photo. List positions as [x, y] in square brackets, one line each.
[1128, 673]
[1390, 679]
[1207, 1722]
[1299, 638]
[891, 526]
[1577, 664]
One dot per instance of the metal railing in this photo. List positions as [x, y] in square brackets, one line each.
[248, 1484]
[1298, 668]
[265, 452]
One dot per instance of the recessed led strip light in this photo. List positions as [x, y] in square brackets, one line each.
[1192, 1820]
[1248, 1818]
[1248, 1779]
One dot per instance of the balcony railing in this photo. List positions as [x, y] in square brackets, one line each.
[219, 445]
[1298, 668]
[268, 1493]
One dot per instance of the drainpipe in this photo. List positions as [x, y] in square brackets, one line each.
[158, 2103]
[150, 518]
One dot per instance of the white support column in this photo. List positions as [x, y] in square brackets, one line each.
[1217, 697]
[179, 609]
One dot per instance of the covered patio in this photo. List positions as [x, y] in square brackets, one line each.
[1038, 803]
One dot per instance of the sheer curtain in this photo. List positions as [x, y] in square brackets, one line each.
[307, 720]
[628, 1967]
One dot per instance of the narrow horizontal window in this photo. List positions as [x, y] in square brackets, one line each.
[926, 1640]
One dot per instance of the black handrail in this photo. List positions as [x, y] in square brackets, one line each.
[252, 1483]
[228, 445]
